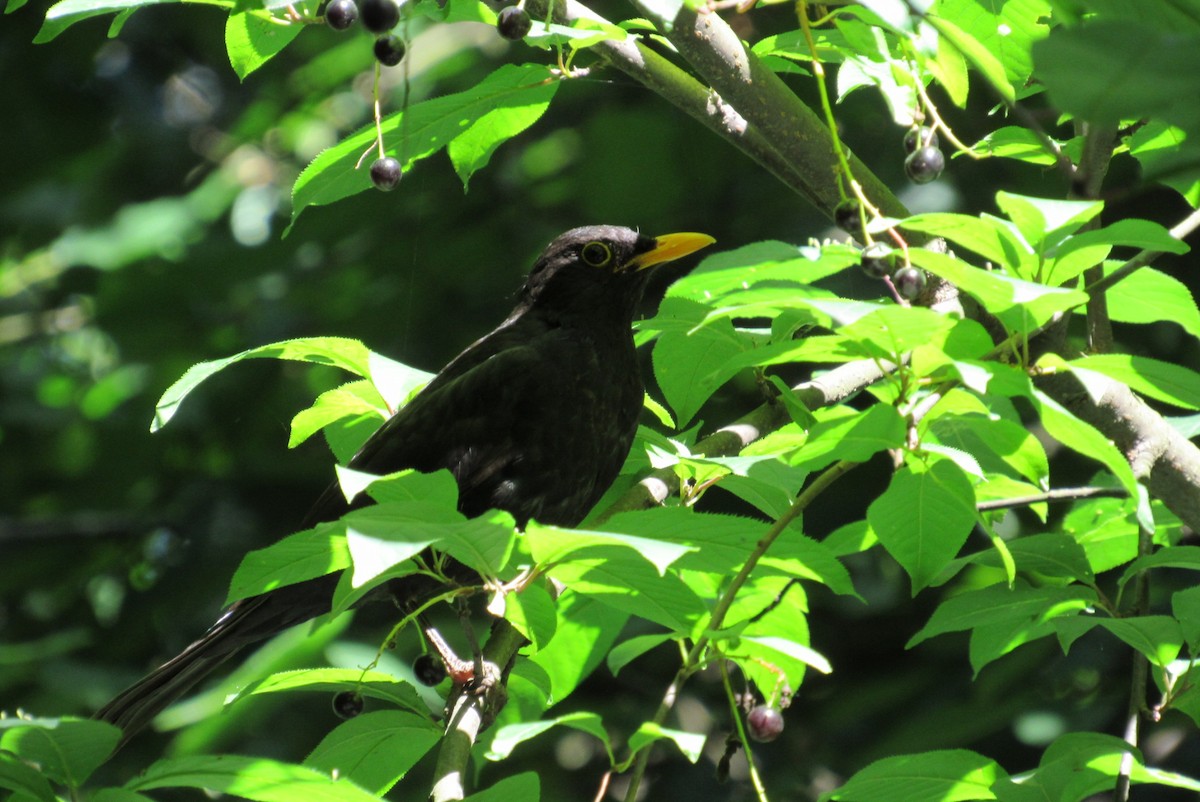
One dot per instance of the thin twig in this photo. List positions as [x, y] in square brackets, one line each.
[1137, 679]
[1061, 494]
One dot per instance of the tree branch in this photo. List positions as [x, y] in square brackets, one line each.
[1158, 454]
[471, 710]
[766, 102]
[680, 89]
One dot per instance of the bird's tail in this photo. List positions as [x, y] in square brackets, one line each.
[246, 622]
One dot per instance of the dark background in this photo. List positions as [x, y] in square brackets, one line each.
[136, 178]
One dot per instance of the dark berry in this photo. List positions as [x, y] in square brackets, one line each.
[513, 23]
[909, 282]
[389, 50]
[924, 165]
[920, 137]
[765, 723]
[379, 16]
[876, 260]
[341, 14]
[429, 670]
[848, 217]
[385, 173]
[348, 704]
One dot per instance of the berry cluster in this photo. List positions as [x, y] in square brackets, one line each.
[378, 17]
[877, 259]
[925, 161]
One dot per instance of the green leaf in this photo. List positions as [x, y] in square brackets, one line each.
[1160, 380]
[584, 634]
[1007, 30]
[1131, 232]
[376, 749]
[723, 278]
[255, 778]
[373, 684]
[1080, 764]
[1158, 637]
[384, 535]
[509, 737]
[691, 366]
[532, 613]
[856, 438]
[304, 555]
[472, 149]
[923, 519]
[1168, 156]
[949, 69]
[1015, 142]
[437, 488]
[1105, 529]
[629, 650]
[340, 352]
[999, 604]
[64, 14]
[1021, 305]
[349, 400]
[118, 795]
[551, 544]
[1049, 554]
[798, 652]
[1089, 71]
[1084, 438]
[395, 381]
[23, 778]
[1185, 606]
[66, 750]
[253, 37]
[1151, 296]
[497, 105]
[1172, 556]
[525, 787]
[977, 55]
[893, 331]
[1000, 446]
[691, 744]
[945, 775]
[985, 236]
[620, 577]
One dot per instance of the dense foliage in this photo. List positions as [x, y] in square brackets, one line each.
[911, 515]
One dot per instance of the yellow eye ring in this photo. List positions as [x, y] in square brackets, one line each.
[596, 254]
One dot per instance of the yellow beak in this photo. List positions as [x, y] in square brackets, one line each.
[668, 248]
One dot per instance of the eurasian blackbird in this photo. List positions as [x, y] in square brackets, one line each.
[535, 418]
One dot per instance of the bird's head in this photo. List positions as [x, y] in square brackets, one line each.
[600, 270]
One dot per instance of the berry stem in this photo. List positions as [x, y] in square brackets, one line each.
[843, 171]
[938, 124]
[736, 712]
[378, 115]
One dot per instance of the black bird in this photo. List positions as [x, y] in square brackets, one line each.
[535, 418]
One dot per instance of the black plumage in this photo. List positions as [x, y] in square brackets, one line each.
[535, 418]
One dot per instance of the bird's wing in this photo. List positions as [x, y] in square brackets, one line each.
[463, 420]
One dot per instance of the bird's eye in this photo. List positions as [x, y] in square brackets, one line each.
[596, 253]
